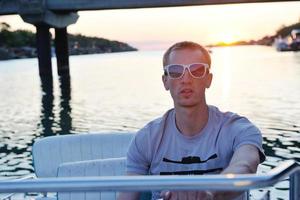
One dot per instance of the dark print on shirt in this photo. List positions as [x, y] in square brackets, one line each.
[193, 172]
[191, 160]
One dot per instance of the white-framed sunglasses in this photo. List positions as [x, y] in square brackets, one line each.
[196, 70]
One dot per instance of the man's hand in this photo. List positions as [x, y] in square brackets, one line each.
[129, 195]
[187, 195]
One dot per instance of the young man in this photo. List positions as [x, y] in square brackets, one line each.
[193, 138]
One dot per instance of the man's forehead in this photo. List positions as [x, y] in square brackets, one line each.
[187, 54]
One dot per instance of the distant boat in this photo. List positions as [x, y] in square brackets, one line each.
[282, 44]
[289, 43]
[295, 45]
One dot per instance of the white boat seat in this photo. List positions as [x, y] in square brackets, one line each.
[48, 153]
[100, 167]
[82, 155]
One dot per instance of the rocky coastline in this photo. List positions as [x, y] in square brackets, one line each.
[7, 53]
[21, 44]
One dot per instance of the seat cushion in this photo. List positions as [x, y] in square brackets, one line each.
[99, 167]
[48, 153]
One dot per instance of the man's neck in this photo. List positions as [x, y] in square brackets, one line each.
[190, 121]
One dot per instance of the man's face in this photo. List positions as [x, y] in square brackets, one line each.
[187, 91]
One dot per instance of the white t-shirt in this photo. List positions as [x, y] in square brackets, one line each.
[160, 149]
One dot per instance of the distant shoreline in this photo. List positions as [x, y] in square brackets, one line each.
[31, 52]
[283, 32]
[22, 44]
[265, 41]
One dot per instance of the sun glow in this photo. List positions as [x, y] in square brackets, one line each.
[226, 38]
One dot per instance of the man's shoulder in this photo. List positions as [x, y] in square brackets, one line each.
[230, 119]
[153, 127]
[151, 134]
[222, 114]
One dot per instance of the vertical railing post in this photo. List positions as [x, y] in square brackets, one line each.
[294, 186]
[247, 195]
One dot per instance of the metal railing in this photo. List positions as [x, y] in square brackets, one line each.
[9, 195]
[229, 182]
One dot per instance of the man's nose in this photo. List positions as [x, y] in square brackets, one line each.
[186, 75]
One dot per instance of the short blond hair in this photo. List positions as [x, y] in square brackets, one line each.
[186, 45]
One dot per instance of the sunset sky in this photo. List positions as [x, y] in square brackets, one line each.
[157, 28]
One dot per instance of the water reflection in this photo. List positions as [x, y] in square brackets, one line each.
[17, 135]
[47, 103]
[51, 124]
[65, 119]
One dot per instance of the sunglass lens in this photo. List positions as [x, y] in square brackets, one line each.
[175, 71]
[197, 70]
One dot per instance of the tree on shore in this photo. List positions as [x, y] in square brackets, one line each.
[18, 38]
[284, 31]
[12, 44]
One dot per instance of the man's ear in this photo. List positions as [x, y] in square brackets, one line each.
[164, 80]
[208, 81]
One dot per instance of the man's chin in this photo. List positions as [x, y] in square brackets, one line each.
[187, 104]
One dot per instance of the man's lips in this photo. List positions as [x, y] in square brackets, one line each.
[186, 91]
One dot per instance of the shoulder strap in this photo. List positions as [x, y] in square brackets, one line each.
[161, 132]
[163, 122]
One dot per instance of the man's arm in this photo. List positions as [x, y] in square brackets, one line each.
[129, 195]
[244, 161]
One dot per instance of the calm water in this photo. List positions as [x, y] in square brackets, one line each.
[123, 91]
